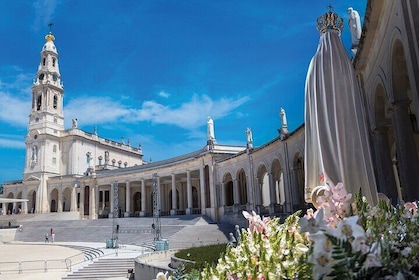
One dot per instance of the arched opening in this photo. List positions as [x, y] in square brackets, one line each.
[402, 110]
[31, 201]
[39, 103]
[277, 175]
[263, 184]
[87, 200]
[66, 199]
[55, 102]
[228, 193]
[242, 187]
[299, 179]
[54, 199]
[227, 198]
[383, 140]
[207, 188]
[137, 203]
[195, 197]
[10, 205]
[171, 202]
[19, 204]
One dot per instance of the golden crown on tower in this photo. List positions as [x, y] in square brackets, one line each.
[330, 22]
[49, 37]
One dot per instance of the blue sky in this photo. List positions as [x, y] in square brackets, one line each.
[152, 71]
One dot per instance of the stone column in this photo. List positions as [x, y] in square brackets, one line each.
[189, 192]
[272, 194]
[97, 200]
[143, 199]
[127, 199]
[73, 203]
[223, 195]
[158, 194]
[236, 196]
[60, 201]
[212, 186]
[81, 206]
[182, 196]
[111, 204]
[92, 202]
[202, 187]
[385, 179]
[103, 200]
[174, 201]
[24, 207]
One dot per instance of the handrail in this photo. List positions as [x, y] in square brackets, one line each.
[45, 265]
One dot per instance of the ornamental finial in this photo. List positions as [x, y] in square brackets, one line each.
[330, 22]
[49, 36]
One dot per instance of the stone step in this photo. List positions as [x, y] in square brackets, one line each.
[104, 268]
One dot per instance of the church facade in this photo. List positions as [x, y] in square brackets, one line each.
[70, 170]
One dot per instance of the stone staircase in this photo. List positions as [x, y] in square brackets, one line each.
[179, 231]
[88, 252]
[115, 268]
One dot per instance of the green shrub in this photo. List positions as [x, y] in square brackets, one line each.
[202, 255]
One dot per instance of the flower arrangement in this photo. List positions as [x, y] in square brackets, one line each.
[342, 239]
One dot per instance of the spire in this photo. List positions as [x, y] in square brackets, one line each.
[330, 22]
[49, 36]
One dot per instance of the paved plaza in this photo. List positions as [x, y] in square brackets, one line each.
[83, 243]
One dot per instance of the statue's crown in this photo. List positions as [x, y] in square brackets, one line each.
[330, 22]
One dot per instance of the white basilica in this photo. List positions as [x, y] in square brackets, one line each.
[70, 170]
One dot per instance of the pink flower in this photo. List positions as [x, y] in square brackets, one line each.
[256, 224]
[261, 277]
[231, 276]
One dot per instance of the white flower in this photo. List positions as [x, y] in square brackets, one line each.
[372, 261]
[161, 276]
[313, 224]
[349, 228]
[359, 244]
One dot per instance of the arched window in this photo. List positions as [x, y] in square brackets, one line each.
[53, 62]
[55, 102]
[44, 61]
[39, 103]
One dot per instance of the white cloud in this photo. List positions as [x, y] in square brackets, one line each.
[189, 115]
[16, 94]
[16, 111]
[94, 110]
[44, 13]
[164, 94]
[12, 141]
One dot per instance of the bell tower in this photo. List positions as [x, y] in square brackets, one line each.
[46, 118]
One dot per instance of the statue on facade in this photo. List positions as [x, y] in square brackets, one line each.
[74, 123]
[283, 131]
[355, 27]
[106, 157]
[249, 138]
[88, 157]
[210, 129]
[34, 157]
